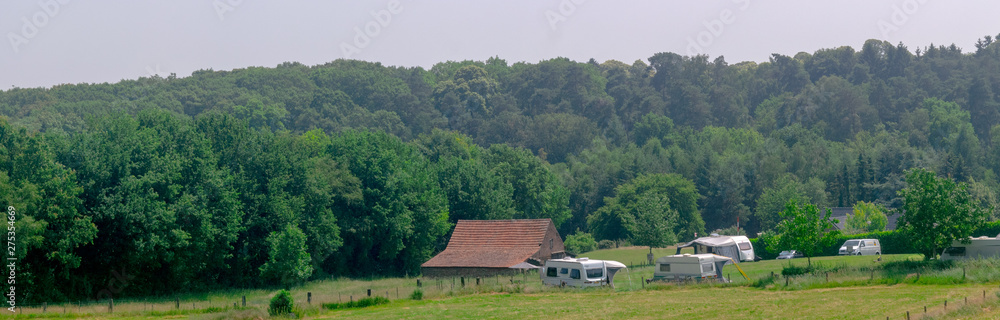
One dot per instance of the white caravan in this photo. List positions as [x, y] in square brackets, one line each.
[737, 247]
[981, 247]
[581, 272]
[698, 267]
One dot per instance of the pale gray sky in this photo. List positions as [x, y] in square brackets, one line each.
[50, 42]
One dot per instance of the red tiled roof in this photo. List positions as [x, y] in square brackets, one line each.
[491, 243]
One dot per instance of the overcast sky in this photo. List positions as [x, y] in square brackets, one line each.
[51, 42]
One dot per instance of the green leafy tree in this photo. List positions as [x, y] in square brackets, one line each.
[867, 217]
[650, 210]
[580, 242]
[537, 193]
[52, 225]
[288, 262]
[804, 229]
[654, 222]
[937, 211]
[773, 201]
[404, 212]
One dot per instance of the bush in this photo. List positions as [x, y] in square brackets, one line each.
[281, 303]
[580, 242]
[361, 303]
[791, 270]
[606, 244]
[417, 295]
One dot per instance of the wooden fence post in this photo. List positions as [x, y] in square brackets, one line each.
[418, 283]
[45, 305]
[463, 282]
[309, 297]
[369, 293]
[111, 305]
[178, 302]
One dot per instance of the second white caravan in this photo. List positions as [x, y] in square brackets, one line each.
[580, 272]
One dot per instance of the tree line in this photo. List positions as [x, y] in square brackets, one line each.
[212, 180]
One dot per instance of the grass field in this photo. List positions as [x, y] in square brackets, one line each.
[861, 285]
[685, 303]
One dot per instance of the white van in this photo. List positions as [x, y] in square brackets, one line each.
[981, 247]
[581, 272]
[861, 247]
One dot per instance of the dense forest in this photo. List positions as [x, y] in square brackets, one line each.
[264, 176]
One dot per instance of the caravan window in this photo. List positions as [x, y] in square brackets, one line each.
[595, 273]
[563, 271]
[550, 272]
[707, 267]
[744, 246]
[574, 274]
[665, 267]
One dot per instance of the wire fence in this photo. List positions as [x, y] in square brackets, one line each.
[306, 301]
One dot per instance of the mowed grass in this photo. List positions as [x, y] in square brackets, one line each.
[873, 302]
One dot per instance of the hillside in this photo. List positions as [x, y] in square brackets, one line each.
[265, 176]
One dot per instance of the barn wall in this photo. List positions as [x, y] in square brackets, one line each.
[552, 243]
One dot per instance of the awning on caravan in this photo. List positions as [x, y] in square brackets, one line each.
[720, 245]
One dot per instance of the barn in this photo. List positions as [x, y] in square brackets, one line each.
[496, 247]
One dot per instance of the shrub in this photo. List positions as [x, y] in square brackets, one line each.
[417, 295]
[361, 303]
[606, 244]
[580, 242]
[281, 303]
[791, 270]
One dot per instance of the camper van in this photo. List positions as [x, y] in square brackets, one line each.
[861, 247]
[581, 272]
[737, 247]
[698, 267]
[981, 247]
